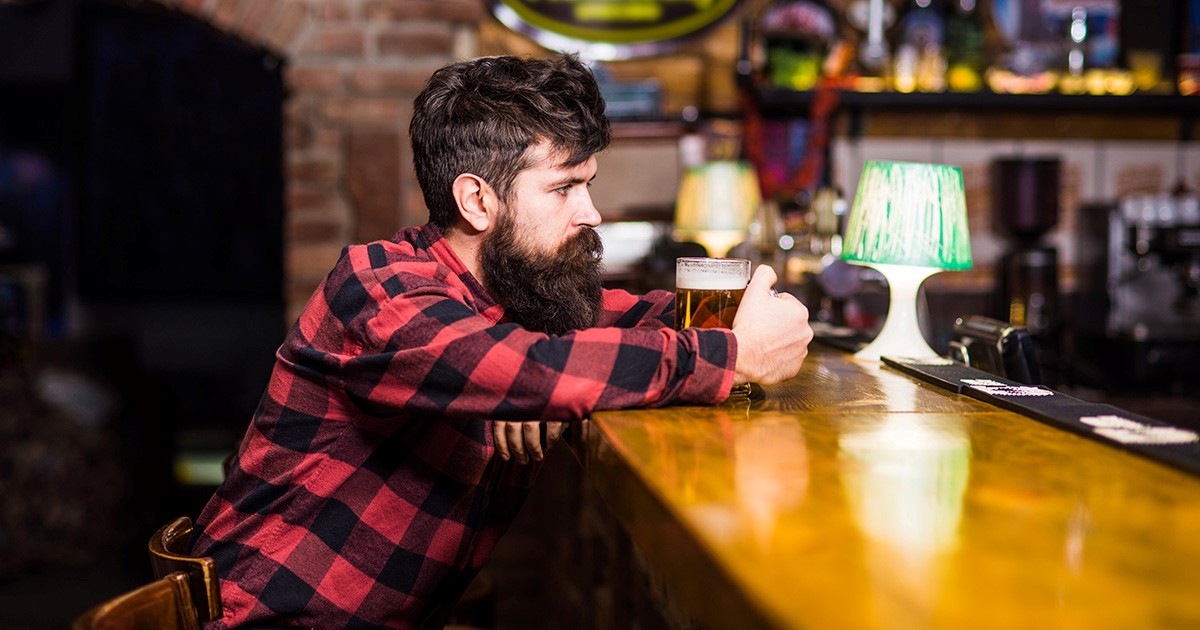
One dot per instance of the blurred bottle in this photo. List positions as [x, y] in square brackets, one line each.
[797, 36]
[904, 75]
[922, 37]
[1076, 47]
[965, 53]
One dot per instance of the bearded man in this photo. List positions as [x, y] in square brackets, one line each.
[400, 431]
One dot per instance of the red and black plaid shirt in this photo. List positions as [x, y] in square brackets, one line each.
[366, 493]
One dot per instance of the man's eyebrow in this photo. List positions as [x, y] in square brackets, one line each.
[572, 180]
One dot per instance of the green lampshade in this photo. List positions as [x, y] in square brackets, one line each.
[907, 213]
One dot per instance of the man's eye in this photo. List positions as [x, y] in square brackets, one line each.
[563, 190]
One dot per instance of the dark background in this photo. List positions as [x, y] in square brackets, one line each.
[141, 275]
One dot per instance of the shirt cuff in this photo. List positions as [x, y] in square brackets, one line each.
[714, 359]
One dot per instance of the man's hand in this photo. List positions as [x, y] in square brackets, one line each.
[772, 332]
[523, 440]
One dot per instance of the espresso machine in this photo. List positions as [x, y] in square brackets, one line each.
[1148, 275]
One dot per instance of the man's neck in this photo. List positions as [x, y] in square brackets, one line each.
[466, 247]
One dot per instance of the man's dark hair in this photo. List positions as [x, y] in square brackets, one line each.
[482, 116]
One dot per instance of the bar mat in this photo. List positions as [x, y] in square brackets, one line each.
[841, 337]
[1131, 432]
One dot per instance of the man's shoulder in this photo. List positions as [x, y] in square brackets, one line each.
[406, 257]
[414, 264]
[405, 246]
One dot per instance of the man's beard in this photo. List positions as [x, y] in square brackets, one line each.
[551, 293]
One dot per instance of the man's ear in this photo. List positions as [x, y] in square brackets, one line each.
[476, 201]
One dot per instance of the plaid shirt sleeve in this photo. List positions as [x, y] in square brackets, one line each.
[419, 341]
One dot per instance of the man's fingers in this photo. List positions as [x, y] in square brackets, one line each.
[533, 439]
[522, 441]
[553, 432]
[516, 443]
[763, 279]
[501, 440]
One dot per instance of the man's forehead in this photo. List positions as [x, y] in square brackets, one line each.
[544, 156]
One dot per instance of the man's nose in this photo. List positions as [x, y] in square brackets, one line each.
[588, 214]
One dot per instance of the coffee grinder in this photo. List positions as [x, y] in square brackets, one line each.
[1025, 205]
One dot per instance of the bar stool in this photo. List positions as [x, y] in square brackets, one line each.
[169, 555]
[164, 604]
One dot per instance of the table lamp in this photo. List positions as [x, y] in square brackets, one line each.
[908, 221]
[717, 203]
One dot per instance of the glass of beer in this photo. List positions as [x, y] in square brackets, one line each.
[708, 291]
[707, 294]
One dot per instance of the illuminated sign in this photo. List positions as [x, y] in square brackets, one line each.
[610, 29]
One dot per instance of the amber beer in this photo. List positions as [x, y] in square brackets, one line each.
[708, 291]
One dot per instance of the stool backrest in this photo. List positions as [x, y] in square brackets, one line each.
[164, 604]
[169, 554]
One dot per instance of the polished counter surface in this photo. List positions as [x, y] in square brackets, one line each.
[854, 496]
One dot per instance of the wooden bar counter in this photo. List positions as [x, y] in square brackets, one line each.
[855, 496]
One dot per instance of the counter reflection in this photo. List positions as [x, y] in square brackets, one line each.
[770, 472]
[904, 478]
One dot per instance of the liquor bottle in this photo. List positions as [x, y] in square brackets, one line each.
[923, 32]
[965, 53]
[797, 36]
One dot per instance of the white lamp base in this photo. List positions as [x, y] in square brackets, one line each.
[901, 334]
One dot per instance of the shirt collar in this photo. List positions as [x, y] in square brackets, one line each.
[437, 245]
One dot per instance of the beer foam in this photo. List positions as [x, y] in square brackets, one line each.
[714, 274]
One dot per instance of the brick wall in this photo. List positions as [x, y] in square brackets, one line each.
[353, 68]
